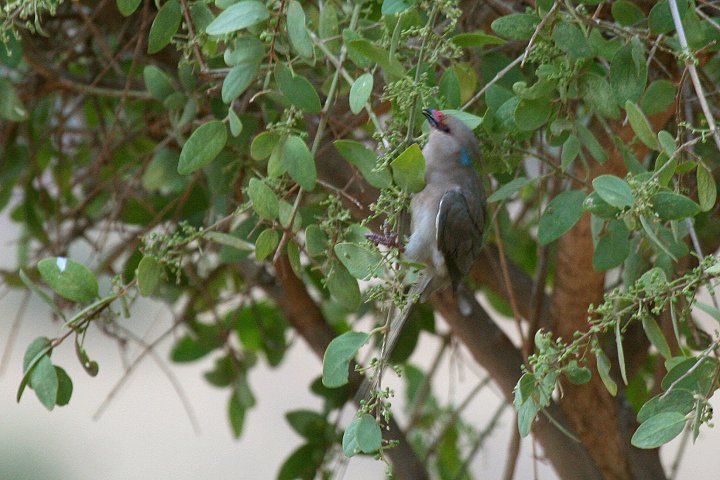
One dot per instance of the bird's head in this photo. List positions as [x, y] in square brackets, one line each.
[450, 135]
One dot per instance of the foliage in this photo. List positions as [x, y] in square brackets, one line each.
[204, 151]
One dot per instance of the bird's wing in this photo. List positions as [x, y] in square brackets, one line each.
[459, 233]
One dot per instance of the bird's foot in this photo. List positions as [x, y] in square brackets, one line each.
[388, 238]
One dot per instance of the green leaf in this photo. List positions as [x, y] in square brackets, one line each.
[69, 279]
[244, 50]
[235, 123]
[65, 387]
[667, 142]
[570, 39]
[672, 206]
[127, 7]
[285, 213]
[615, 191]
[299, 38]
[237, 16]
[205, 143]
[308, 424]
[627, 13]
[476, 39]
[360, 92]
[676, 400]
[362, 262]
[576, 374]
[263, 144]
[603, 367]
[90, 366]
[613, 247]
[470, 120]
[658, 430]
[560, 215]
[299, 162]
[44, 381]
[238, 80]
[699, 380]
[655, 335]
[297, 89]
[648, 227]
[315, 240]
[409, 169]
[266, 244]
[157, 82]
[532, 114]
[236, 415]
[450, 88]
[11, 107]
[366, 161]
[149, 275]
[570, 151]
[368, 434]
[658, 97]
[509, 189]
[378, 55]
[265, 202]
[590, 142]
[390, 7]
[600, 208]
[339, 353]
[707, 189]
[628, 73]
[165, 25]
[230, 241]
[598, 95]
[660, 19]
[343, 287]
[641, 126]
[38, 348]
[516, 26]
[304, 463]
[524, 402]
[188, 349]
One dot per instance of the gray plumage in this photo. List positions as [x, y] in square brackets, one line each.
[448, 215]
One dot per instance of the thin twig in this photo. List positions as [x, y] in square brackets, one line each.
[689, 63]
[539, 27]
[496, 78]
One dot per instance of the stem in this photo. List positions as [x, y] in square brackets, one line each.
[413, 105]
[690, 65]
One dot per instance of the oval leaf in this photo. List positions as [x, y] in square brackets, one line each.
[560, 215]
[641, 126]
[297, 89]
[165, 25]
[238, 16]
[658, 430]
[366, 161]
[409, 169]
[360, 92]
[69, 279]
[265, 202]
[672, 206]
[299, 38]
[149, 275]
[238, 80]
[205, 143]
[361, 262]
[614, 190]
[339, 353]
[707, 188]
[266, 244]
[299, 162]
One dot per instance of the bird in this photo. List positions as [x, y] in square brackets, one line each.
[448, 215]
[447, 222]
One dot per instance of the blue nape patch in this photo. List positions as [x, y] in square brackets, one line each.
[465, 159]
